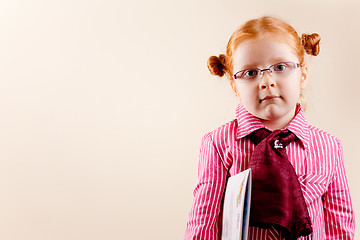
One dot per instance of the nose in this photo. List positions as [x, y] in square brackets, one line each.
[266, 80]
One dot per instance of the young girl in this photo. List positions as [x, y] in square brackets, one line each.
[264, 62]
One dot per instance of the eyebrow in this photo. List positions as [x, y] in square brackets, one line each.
[254, 65]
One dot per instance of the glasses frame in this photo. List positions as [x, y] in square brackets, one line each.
[296, 65]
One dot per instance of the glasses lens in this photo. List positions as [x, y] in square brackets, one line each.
[284, 69]
[249, 74]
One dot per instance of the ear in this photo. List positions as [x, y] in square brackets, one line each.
[304, 76]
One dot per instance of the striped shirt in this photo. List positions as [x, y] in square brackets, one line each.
[316, 156]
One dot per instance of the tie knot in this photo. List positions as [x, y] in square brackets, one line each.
[278, 138]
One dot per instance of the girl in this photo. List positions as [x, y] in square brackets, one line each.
[264, 62]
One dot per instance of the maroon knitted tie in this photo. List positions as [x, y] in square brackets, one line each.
[276, 197]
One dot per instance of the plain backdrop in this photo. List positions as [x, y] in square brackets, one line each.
[103, 105]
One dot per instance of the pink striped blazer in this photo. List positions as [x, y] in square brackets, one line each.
[318, 161]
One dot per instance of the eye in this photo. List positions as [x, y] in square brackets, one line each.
[280, 67]
[251, 73]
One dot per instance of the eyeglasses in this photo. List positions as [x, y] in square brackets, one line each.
[277, 71]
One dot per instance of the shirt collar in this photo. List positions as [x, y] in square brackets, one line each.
[248, 123]
[300, 127]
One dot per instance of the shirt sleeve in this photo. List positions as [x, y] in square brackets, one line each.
[338, 210]
[205, 216]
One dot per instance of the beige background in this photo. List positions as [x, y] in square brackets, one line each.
[103, 105]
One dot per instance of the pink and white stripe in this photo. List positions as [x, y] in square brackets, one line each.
[317, 158]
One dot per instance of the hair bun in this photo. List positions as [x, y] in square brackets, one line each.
[311, 43]
[217, 65]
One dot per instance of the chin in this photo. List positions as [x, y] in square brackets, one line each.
[272, 112]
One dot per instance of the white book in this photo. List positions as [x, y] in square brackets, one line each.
[236, 209]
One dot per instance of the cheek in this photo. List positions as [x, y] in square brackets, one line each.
[247, 92]
[291, 89]
[292, 84]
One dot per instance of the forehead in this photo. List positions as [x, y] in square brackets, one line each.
[262, 53]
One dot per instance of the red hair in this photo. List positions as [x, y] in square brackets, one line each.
[271, 27]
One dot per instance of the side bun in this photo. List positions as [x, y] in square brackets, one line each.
[311, 43]
[217, 65]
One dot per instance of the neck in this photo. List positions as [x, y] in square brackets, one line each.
[274, 125]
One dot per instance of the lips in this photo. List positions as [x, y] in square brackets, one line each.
[269, 98]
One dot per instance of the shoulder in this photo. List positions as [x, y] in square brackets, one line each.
[219, 140]
[222, 135]
[320, 137]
